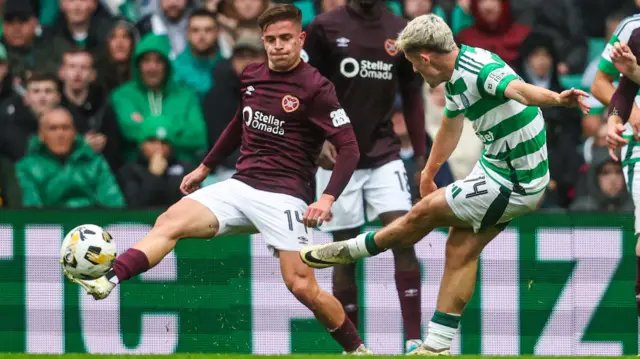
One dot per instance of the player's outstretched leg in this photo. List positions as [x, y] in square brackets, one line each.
[408, 285]
[302, 283]
[185, 219]
[431, 212]
[345, 288]
[456, 288]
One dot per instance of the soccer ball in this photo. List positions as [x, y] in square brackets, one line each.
[87, 252]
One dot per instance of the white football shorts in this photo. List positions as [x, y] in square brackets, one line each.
[483, 203]
[242, 209]
[370, 191]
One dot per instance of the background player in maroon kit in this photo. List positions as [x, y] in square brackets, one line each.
[354, 47]
[288, 110]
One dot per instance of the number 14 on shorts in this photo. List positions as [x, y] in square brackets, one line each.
[299, 216]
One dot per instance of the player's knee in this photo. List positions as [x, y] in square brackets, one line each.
[304, 289]
[459, 255]
[420, 214]
[168, 225]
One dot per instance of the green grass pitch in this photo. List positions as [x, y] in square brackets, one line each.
[245, 356]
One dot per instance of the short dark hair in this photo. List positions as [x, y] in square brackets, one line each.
[44, 77]
[280, 12]
[77, 51]
[201, 12]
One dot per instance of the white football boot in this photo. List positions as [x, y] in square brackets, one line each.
[428, 351]
[361, 350]
[99, 288]
[326, 255]
[411, 345]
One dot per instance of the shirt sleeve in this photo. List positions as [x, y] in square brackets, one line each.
[622, 34]
[623, 99]
[451, 110]
[327, 114]
[227, 143]
[494, 78]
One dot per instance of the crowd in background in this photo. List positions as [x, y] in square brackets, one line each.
[108, 103]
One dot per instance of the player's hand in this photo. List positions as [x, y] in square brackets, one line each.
[623, 58]
[192, 181]
[614, 136]
[427, 185]
[327, 156]
[319, 212]
[574, 98]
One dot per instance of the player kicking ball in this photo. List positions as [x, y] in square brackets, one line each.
[288, 110]
[508, 181]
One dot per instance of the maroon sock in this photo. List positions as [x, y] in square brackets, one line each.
[349, 300]
[347, 335]
[408, 285]
[129, 264]
[638, 284]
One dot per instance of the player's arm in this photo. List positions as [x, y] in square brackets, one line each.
[497, 80]
[602, 87]
[224, 147]
[328, 115]
[413, 110]
[444, 143]
[226, 144]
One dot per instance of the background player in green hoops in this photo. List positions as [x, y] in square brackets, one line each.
[508, 181]
[603, 90]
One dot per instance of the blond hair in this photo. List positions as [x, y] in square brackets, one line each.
[426, 32]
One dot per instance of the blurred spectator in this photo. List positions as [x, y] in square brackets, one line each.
[249, 10]
[114, 64]
[61, 170]
[415, 8]
[538, 66]
[223, 101]
[561, 21]
[170, 20]
[6, 80]
[467, 153]
[612, 23]
[81, 23]
[10, 192]
[154, 93]
[25, 40]
[154, 179]
[87, 104]
[194, 65]
[457, 16]
[132, 10]
[494, 29]
[606, 191]
[19, 116]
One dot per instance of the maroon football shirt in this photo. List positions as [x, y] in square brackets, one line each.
[357, 53]
[283, 120]
[623, 98]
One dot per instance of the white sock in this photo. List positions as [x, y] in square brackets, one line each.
[440, 336]
[357, 247]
